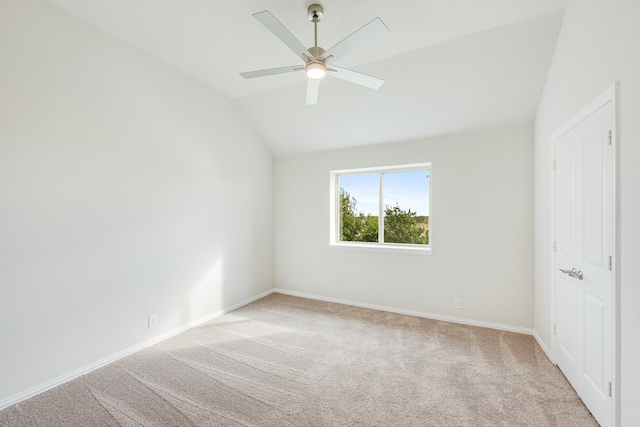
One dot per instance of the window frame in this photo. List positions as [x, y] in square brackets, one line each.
[334, 214]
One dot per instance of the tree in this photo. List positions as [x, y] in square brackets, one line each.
[348, 220]
[356, 227]
[402, 227]
[399, 226]
[369, 231]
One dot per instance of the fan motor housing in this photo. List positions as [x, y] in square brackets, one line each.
[316, 51]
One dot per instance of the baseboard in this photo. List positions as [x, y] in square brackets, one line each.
[110, 359]
[452, 319]
[542, 345]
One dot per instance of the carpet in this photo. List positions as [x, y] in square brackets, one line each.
[289, 361]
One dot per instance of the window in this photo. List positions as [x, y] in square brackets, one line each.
[382, 208]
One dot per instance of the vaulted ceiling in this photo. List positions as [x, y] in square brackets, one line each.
[450, 65]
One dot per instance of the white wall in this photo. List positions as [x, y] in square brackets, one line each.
[126, 189]
[599, 44]
[481, 229]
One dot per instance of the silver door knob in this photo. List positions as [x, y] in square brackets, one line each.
[574, 273]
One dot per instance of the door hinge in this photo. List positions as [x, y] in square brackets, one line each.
[555, 246]
[554, 329]
[610, 389]
[610, 139]
[610, 263]
[554, 164]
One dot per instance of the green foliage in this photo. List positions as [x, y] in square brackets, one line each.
[356, 227]
[399, 227]
[402, 227]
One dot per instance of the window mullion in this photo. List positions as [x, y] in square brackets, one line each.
[380, 208]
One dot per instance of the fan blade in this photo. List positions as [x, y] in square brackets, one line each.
[355, 77]
[271, 71]
[364, 35]
[313, 87]
[268, 20]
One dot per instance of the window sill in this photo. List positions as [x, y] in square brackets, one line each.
[385, 248]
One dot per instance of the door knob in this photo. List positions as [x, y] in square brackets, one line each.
[574, 273]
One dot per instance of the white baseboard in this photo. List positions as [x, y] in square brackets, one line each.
[542, 345]
[470, 322]
[110, 359]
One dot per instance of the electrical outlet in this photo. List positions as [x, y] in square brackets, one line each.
[293, 280]
[457, 303]
[153, 321]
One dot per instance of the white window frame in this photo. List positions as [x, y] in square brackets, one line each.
[334, 214]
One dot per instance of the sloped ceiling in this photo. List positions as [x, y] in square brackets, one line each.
[450, 65]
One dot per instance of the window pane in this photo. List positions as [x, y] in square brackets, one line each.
[406, 207]
[359, 198]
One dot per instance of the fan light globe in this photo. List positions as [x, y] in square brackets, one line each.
[315, 70]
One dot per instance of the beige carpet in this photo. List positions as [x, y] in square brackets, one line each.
[287, 361]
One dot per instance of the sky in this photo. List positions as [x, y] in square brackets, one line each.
[410, 190]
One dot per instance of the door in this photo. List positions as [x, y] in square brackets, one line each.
[584, 226]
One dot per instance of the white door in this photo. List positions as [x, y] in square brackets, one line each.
[584, 184]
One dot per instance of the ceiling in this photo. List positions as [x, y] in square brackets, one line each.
[450, 66]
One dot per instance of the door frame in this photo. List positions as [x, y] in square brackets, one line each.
[612, 95]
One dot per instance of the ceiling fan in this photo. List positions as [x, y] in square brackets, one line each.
[318, 63]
